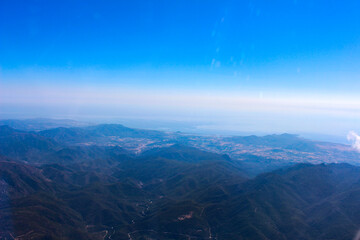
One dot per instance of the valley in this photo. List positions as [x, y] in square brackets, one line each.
[114, 182]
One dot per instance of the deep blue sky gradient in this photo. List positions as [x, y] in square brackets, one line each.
[299, 49]
[240, 35]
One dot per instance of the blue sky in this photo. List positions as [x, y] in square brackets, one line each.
[185, 60]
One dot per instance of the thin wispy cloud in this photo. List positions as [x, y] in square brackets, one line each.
[214, 101]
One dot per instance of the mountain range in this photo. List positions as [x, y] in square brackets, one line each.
[80, 183]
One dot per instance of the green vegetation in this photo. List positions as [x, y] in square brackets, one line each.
[53, 190]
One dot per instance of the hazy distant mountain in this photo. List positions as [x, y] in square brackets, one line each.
[122, 131]
[284, 141]
[261, 154]
[103, 134]
[37, 148]
[67, 135]
[37, 124]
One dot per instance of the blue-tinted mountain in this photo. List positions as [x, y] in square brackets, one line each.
[302, 202]
[51, 188]
[284, 141]
[102, 130]
[38, 124]
[25, 146]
